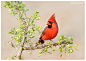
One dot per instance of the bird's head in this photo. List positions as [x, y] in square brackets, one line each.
[51, 20]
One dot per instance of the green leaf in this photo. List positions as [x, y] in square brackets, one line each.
[46, 41]
[21, 25]
[50, 52]
[25, 14]
[40, 51]
[65, 39]
[14, 28]
[69, 38]
[69, 46]
[32, 16]
[22, 58]
[77, 44]
[11, 48]
[29, 22]
[71, 50]
[12, 55]
[24, 3]
[39, 54]
[68, 54]
[71, 42]
[27, 9]
[17, 43]
[61, 55]
[72, 38]
[63, 46]
[12, 58]
[21, 48]
[29, 53]
[24, 48]
[45, 53]
[54, 49]
[10, 43]
[8, 58]
[28, 31]
[27, 40]
[18, 30]
[60, 38]
[11, 6]
[31, 36]
[58, 42]
[33, 32]
[37, 42]
[60, 48]
[36, 13]
[38, 18]
[32, 20]
[21, 21]
[76, 48]
[11, 12]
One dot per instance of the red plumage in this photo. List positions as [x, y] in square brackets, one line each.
[50, 31]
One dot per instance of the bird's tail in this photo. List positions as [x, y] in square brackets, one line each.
[36, 45]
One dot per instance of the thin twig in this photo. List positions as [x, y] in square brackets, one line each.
[14, 45]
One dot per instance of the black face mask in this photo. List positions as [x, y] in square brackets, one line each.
[50, 26]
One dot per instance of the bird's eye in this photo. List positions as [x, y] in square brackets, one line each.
[50, 22]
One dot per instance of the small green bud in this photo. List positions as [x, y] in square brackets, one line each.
[46, 41]
[10, 43]
[68, 54]
[29, 53]
[77, 44]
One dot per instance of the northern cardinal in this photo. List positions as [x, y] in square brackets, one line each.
[50, 31]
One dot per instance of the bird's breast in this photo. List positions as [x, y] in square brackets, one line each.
[51, 33]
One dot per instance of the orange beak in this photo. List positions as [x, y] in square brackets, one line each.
[48, 23]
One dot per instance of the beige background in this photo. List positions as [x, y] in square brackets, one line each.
[70, 18]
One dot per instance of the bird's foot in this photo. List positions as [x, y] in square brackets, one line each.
[54, 43]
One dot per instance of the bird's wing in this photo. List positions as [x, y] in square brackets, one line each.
[44, 32]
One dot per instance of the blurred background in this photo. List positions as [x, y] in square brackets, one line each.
[71, 21]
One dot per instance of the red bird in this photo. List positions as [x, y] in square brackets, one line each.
[50, 31]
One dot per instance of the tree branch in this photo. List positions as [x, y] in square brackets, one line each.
[22, 43]
[15, 46]
[40, 47]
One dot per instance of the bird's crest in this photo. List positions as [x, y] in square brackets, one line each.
[52, 18]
